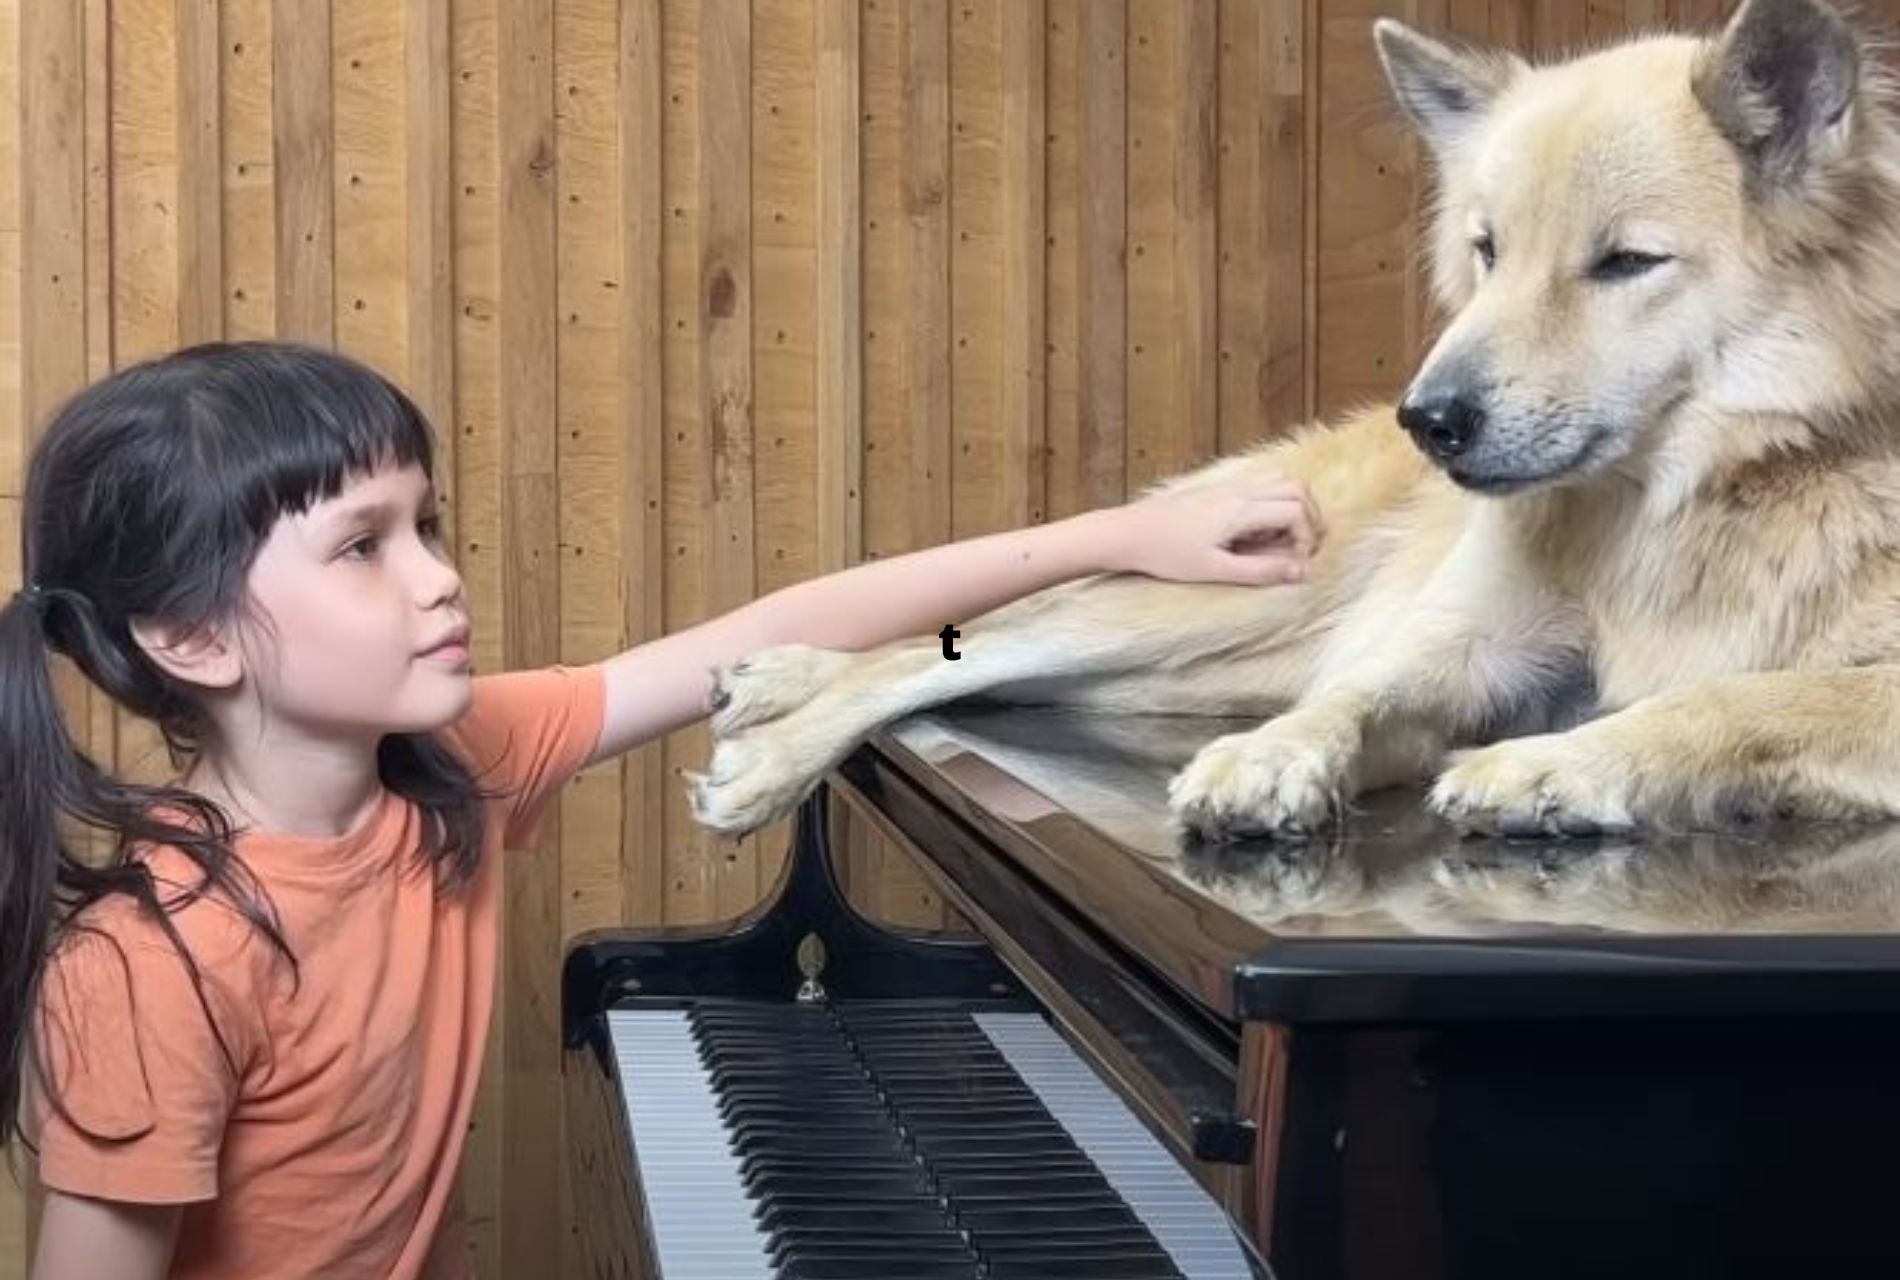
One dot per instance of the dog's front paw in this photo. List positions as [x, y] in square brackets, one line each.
[1550, 784]
[751, 780]
[1266, 782]
[771, 683]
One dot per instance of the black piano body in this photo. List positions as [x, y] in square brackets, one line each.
[1390, 1053]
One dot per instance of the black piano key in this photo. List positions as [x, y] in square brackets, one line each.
[882, 1268]
[919, 1217]
[895, 1249]
[808, 1180]
[1081, 1269]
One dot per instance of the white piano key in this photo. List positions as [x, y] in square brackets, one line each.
[703, 1224]
[1183, 1218]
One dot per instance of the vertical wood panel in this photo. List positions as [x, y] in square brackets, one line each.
[200, 176]
[529, 405]
[1197, 286]
[978, 489]
[144, 155]
[249, 220]
[302, 167]
[479, 543]
[1102, 294]
[1024, 354]
[1152, 324]
[15, 1175]
[642, 434]
[725, 311]
[1367, 331]
[12, 430]
[688, 852]
[371, 183]
[428, 168]
[926, 329]
[1283, 225]
[806, 339]
[589, 417]
[92, 716]
[1243, 245]
[1062, 421]
[52, 210]
[589, 420]
[840, 270]
[886, 238]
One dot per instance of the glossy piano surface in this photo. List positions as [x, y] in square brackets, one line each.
[1080, 801]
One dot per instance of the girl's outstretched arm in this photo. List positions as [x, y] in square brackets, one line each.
[1252, 532]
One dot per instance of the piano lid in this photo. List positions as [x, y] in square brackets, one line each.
[1396, 914]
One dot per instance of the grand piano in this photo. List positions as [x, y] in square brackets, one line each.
[1390, 1053]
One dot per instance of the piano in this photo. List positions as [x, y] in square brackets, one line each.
[1388, 1053]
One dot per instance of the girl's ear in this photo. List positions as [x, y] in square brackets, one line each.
[203, 656]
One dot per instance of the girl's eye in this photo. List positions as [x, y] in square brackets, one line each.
[430, 527]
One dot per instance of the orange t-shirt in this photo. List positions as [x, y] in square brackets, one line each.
[333, 1147]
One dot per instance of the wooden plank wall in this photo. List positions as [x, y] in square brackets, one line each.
[704, 297]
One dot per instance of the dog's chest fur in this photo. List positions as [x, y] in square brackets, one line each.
[1785, 566]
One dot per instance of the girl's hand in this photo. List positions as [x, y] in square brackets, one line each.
[1248, 532]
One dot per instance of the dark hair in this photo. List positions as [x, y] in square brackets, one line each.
[150, 495]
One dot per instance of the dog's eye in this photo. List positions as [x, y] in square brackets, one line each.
[1487, 250]
[1625, 264]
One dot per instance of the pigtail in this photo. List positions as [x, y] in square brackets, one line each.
[38, 766]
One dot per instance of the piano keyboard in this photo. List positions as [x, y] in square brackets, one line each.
[914, 1139]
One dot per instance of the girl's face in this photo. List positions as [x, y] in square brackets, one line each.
[358, 589]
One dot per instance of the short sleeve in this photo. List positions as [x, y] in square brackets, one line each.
[130, 1087]
[528, 733]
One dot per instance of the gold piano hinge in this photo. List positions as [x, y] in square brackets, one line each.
[811, 963]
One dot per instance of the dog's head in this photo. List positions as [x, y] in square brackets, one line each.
[1599, 239]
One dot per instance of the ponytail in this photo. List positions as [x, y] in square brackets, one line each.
[44, 776]
[37, 764]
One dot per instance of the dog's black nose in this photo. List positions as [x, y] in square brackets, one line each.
[1444, 426]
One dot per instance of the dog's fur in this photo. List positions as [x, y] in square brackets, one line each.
[1674, 487]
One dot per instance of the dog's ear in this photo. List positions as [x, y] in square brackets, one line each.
[1444, 90]
[1779, 82]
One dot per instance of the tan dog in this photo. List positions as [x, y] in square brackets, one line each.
[1654, 460]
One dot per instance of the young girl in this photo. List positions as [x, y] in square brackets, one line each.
[246, 1044]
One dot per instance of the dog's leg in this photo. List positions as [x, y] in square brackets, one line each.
[1412, 671]
[785, 723]
[788, 715]
[1811, 744]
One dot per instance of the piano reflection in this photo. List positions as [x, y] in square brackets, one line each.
[1389, 1053]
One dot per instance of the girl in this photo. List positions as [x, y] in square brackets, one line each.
[246, 1043]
